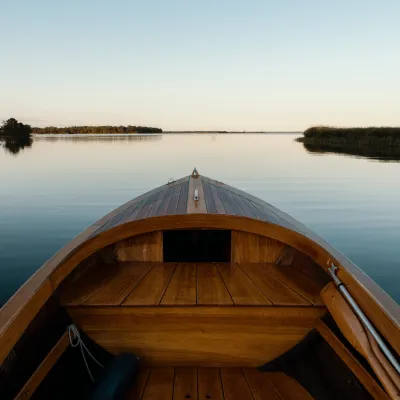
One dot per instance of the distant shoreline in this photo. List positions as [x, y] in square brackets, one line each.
[373, 142]
[71, 135]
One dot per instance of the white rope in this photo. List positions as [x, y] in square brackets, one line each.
[75, 341]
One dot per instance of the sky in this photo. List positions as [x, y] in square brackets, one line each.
[281, 65]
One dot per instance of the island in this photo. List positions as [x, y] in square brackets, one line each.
[373, 142]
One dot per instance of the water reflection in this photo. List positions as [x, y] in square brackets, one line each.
[384, 154]
[15, 145]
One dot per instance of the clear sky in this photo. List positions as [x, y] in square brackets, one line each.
[209, 64]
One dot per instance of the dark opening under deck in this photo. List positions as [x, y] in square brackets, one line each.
[197, 245]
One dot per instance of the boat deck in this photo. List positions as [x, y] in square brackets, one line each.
[215, 384]
[189, 284]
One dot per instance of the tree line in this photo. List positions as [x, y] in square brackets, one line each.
[97, 129]
[15, 135]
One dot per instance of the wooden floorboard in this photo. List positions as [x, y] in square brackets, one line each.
[235, 385]
[240, 287]
[277, 292]
[259, 385]
[151, 289]
[287, 387]
[298, 281]
[182, 287]
[215, 384]
[160, 384]
[114, 291]
[209, 384]
[185, 384]
[211, 288]
[154, 283]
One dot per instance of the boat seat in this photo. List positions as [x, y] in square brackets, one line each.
[215, 384]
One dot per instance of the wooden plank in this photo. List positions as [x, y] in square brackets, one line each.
[19, 311]
[159, 385]
[259, 385]
[137, 389]
[210, 286]
[298, 281]
[156, 205]
[183, 197]
[43, 369]
[242, 290]
[185, 384]
[78, 289]
[234, 384]
[237, 206]
[209, 384]
[146, 247]
[173, 204]
[365, 378]
[196, 207]
[217, 200]
[245, 247]
[225, 201]
[270, 249]
[277, 292]
[114, 291]
[201, 336]
[287, 387]
[182, 287]
[151, 289]
[210, 203]
[162, 210]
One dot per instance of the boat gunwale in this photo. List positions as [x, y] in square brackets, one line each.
[19, 311]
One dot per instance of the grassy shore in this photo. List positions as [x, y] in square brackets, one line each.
[372, 142]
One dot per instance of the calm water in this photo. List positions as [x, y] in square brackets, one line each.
[52, 191]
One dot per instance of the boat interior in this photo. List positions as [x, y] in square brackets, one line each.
[213, 307]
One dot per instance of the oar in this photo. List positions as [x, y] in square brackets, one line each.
[354, 332]
[383, 361]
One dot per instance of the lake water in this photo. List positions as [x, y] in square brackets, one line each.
[55, 189]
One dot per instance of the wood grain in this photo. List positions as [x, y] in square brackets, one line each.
[201, 336]
[209, 384]
[287, 387]
[277, 292]
[44, 368]
[235, 385]
[159, 385]
[210, 286]
[247, 247]
[115, 290]
[151, 289]
[77, 290]
[182, 287]
[242, 290]
[196, 207]
[24, 305]
[147, 247]
[299, 282]
[259, 385]
[365, 378]
[185, 384]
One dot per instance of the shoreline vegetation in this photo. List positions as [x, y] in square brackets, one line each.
[71, 130]
[373, 142]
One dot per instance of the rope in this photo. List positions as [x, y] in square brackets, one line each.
[75, 341]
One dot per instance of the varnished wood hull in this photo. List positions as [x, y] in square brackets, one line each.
[243, 313]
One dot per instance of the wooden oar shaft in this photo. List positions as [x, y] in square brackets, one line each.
[354, 332]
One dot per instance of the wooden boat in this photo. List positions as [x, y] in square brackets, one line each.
[220, 296]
